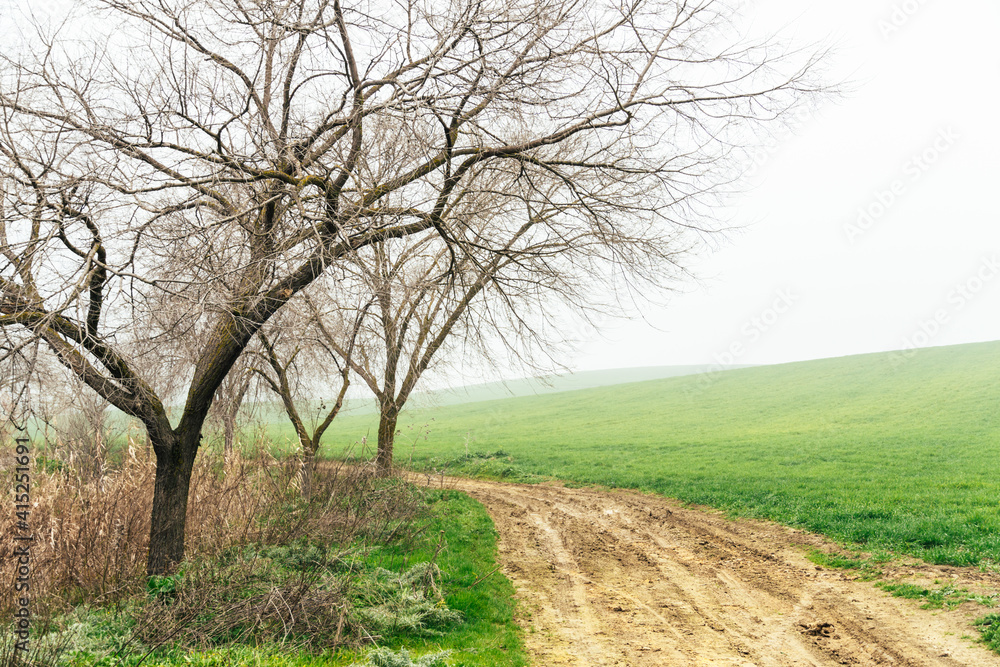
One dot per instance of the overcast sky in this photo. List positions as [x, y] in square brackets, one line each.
[872, 226]
[914, 145]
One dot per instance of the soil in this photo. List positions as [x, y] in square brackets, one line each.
[622, 578]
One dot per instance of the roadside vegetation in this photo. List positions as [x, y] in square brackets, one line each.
[369, 571]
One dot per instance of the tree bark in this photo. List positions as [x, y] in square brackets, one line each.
[386, 437]
[174, 465]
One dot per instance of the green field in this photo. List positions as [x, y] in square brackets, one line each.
[549, 384]
[491, 391]
[896, 453]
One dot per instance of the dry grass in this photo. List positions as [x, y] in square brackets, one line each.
[248, 600]
[92, 531]
[266, 573]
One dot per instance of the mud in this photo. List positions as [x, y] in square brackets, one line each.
[622, 578]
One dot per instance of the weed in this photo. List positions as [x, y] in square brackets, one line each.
[408, 602]
[833, 560]
[163, 587]
[46, 645]
[95, 636]
[248, 599]
[866, 568]
[384, 657]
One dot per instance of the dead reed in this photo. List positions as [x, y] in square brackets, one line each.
[92, 529]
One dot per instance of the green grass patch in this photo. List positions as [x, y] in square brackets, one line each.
[497, 466]
[864, 568]
[944, 597]
[888, 452]
[834, 560]
[461, 539]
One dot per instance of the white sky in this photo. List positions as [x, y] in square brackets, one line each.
[925, 75]
[934, 79]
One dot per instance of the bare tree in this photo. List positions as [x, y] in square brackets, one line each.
[306, 358]
[19, 361]
[420, 300]
[228, 403]
[260, 145]
[426, 295]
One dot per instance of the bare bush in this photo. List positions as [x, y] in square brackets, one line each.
[243, 600]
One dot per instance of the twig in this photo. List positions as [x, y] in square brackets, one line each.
[483, 578]
[437, 550]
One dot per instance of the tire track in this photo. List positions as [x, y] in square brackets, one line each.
[620, 579]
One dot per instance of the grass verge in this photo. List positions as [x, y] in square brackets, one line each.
[461, 538]
[271, 579]
[460, 616]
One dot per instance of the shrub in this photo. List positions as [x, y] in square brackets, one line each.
[989, 626]
[247, 599]
[407, 602]
[263, 565]
[384, 657]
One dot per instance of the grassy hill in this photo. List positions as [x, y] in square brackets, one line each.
[491, 391]
[891, 451]
[551, 384]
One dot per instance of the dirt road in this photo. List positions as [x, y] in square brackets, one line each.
[621, 578]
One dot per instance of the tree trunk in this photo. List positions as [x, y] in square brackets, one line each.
[306, 472]
[386, 438]
[174, 465]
